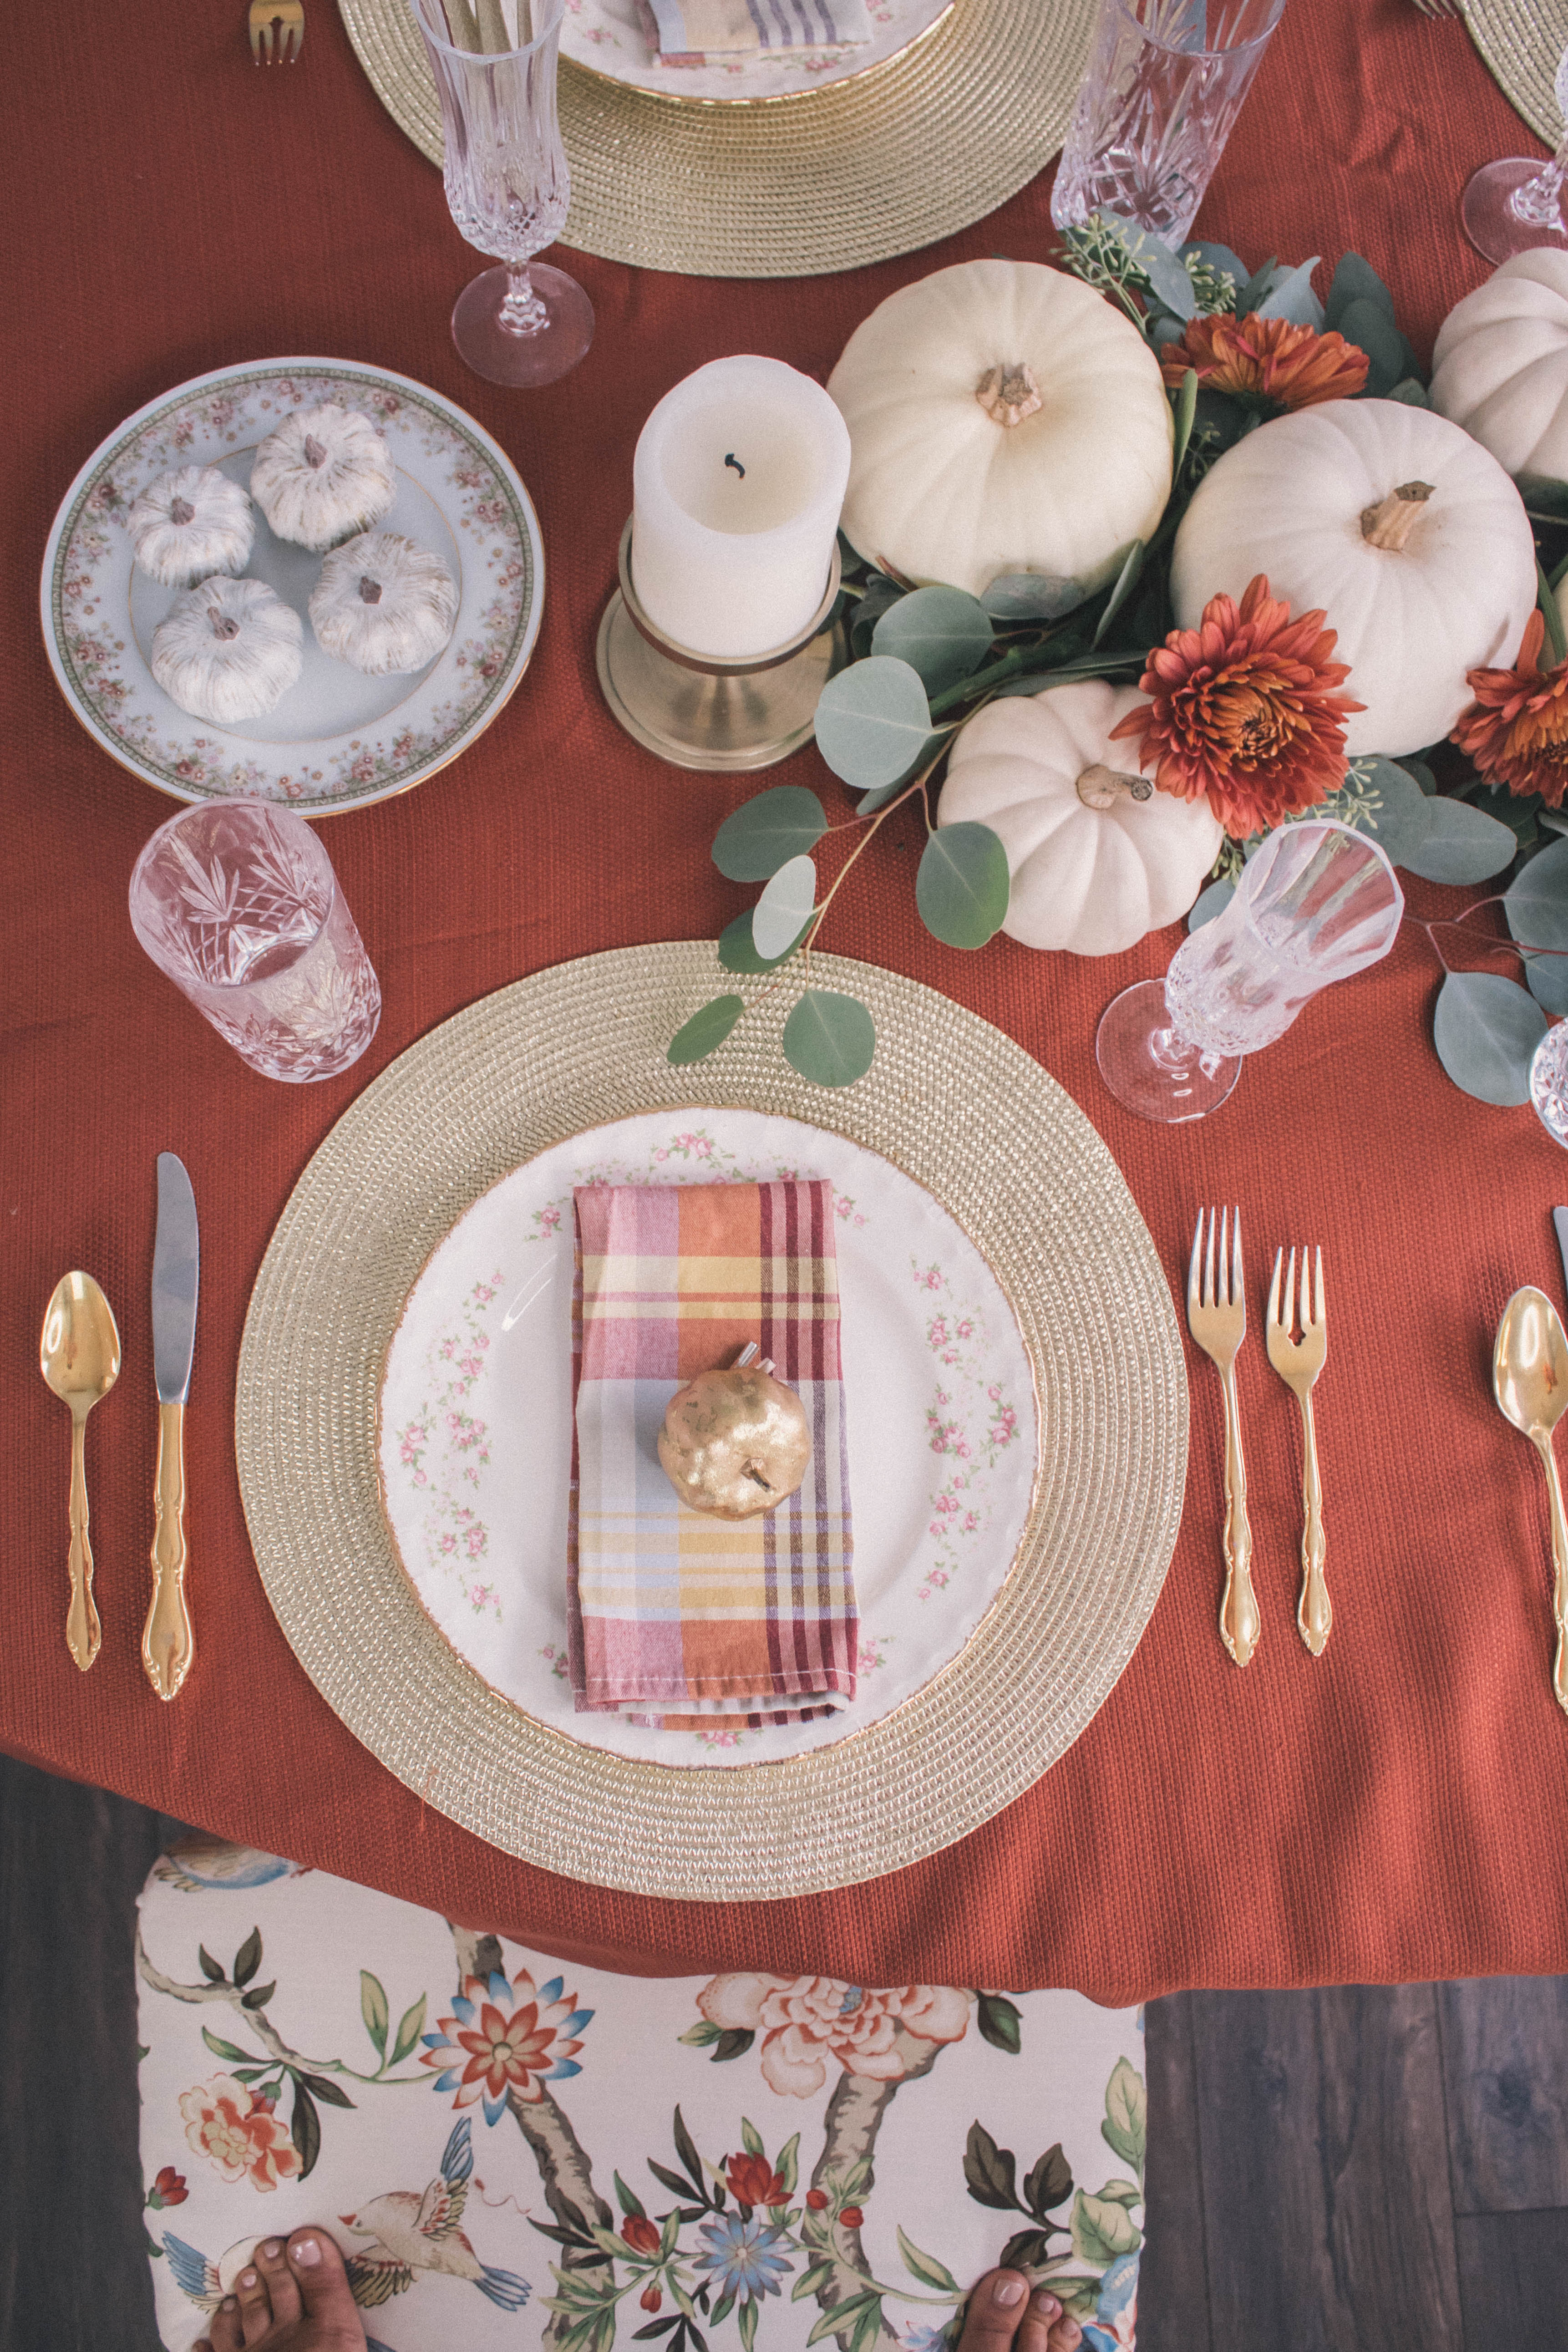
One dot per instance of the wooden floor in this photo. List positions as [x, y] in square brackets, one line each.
[1366, 2170]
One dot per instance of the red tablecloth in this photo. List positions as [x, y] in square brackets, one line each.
[1394, 1811]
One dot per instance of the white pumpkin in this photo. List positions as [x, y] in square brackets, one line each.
[1402, 529]
[1093, 867]
[1501, 365]
[1001, 418]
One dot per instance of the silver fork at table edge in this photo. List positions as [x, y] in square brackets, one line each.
[1219, 1324]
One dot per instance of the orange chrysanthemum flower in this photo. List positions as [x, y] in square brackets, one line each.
[1516, 730]
[1245, 712]
[1266, 362]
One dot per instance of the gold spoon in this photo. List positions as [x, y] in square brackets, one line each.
[1530, 1381]
[79, 1358]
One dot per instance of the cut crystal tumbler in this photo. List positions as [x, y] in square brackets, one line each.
[238, 903]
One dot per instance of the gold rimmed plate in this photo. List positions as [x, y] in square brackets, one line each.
[337, 739]
[1010, 1161]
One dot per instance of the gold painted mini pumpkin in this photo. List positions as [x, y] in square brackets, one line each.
[735, 1442]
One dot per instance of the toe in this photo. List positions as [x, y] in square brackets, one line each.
[255, 2305]
[225, 2328]
[282, 2291]
[994, 2310]
[1066, 2335]
[324, 2284]
[1043, 2318]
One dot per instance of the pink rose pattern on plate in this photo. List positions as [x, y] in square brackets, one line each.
[482, 508]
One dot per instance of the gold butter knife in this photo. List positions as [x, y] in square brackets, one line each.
[168, 1642]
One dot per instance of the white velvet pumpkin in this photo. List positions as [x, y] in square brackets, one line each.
[1295, 500]
[1501, 365]
[1001, 418]
[1090, 878]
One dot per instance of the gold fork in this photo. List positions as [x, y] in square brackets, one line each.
[1297, 1363]
[277, 30]
[1216, 1318]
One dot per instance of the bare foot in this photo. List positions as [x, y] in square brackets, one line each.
[1003, 2316]
[293, 2298]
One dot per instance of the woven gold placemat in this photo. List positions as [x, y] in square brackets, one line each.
[959, 1106]
[1521, 41]
[880, 164]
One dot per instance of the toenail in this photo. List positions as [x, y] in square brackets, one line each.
[1007, 2292]
[229, 2303]
[1047, 2305]
[306, 2251]
[270, 2249]
[248, 2278]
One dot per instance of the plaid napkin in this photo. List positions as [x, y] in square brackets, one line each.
[725, 32]
[678, 1618]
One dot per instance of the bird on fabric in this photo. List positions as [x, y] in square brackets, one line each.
[198, 1864]
[409, 2233]
[206, 2283]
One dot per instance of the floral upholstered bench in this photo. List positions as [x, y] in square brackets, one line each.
[512, 2153]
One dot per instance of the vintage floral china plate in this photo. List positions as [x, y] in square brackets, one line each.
[611, 37]
[476, 1421]
[337, 739]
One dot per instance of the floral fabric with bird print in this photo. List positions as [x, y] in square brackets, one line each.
[512, 2155]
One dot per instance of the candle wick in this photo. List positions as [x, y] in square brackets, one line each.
[734, 460]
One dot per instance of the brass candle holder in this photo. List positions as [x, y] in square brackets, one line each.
[703, 710]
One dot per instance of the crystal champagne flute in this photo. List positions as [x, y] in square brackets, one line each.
[1317, 903]
[1512, 206]
[507, 183]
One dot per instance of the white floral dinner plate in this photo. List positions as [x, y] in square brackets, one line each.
[611, 37]
[476, 1421]
[338, 739]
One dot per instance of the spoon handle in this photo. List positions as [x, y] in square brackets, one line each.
[1239, 1623]
[1314, 1612]
[168, 1644]
[1559, 1571]
[83, 1632]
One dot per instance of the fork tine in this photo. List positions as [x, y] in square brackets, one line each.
[255, 40]
[266, 40]
[1274, 1288]
[1210, 1294]
[1317, 1305]
[1195, 1267]
[1237, 1289]
[296, 38]
[1291, 1295]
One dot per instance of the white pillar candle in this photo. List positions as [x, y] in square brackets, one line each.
[738, 484]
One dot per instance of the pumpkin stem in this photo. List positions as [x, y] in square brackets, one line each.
[1389, 523]
[1008, 394]
[1100, 787]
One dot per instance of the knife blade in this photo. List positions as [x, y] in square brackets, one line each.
[168, 1644]
[1559, 1219]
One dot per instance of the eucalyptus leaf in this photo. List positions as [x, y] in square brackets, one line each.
[872, 720]
[829, 1038]
[768, 830]
[881, 595]
[1555, 643]
[1032, 596]
[737, 949]
[962, 884]
[1160, 266]
[1461, 845]
[1162, 329]
[1388, 354]
[1355, 281]
[1545, 499]
[870, 802]
[705, 1031]
[1546, 977]
[1210, 902]
[1536, 901]
[1126, 580]
[1403, 820]
[1291, 296]
[1218, 258]
[1420, 770]
[1412, 392]
[784, 909]
[1485, 1029]
[1036, 681]
[1256, 290]
[943, 634]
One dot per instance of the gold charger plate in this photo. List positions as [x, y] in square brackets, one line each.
[956, 1105]
[889, 160]
[1520, 42]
